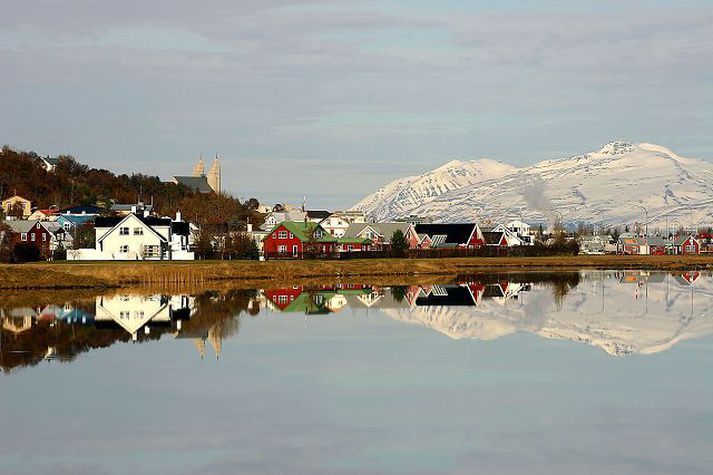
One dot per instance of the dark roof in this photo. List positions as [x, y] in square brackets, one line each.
[181, 228]
[101, 222]
[82, 209]
[492, 237]
[318, 214]
[198, 183]
[51, 160]
[455, 233]
[456, 296]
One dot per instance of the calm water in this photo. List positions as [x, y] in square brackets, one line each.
[591, 372]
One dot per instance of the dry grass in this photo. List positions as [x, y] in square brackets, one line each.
[252, 273]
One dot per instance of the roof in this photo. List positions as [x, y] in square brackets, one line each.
[303, 231]
[76, 218]
[198, 183]
[679, 241]
[383, 229]
[318, 214]
[129, 207]
[51, 160]
[355, 240]
[110, 222]
[21, 225]
[491, 237]
[16, 198]
[454, 233]
[181, 228]
[82, 209]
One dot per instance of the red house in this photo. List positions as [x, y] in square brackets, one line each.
[688, 245]
[33, 232]
[293, 240]
[282, 298]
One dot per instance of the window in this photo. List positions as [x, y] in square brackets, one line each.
[67, 226]
[138, 231]
[295, 251]
[690, 248]
[33, 237]
[282, 298]
[124, 231]
[282, 249]
[350, 247]
[23, 237]
[292, 236]
[282, 235]
[318, 233]
[44, 237]
[124, 248]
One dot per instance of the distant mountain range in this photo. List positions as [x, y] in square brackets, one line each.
[606, 187]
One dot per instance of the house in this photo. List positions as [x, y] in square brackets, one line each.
[134, 313]
[347, 244]
[91, 210]
[295, 240]
[592, 244]
[70, 222]
[501, 235]
[630, 244]
[36, 233]
[687, 244]
[17, 203]
[274, 218]
[657, 246]
[464, 236]
[518, 229]
[49, 163]
[49, 214]
[134, 237]
[338, 222]
[122, 209]
[380, 233]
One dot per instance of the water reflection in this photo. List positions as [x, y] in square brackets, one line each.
[622, 313]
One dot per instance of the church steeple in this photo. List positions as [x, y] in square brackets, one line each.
[214, 176]
[199, 169]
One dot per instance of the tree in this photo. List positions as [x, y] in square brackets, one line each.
[398, 292]
[26, 252]
[204, 243]
[6, 247]
[399, 245]
[83, 236]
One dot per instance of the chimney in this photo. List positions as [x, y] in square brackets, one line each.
[133, 209]
[250, 227]
[146, 213]
[178, 216]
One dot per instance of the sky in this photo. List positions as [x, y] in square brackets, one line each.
[333, 99]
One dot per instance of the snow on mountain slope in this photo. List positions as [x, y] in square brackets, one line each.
[605, 187]
[640, 315]
[404, 194]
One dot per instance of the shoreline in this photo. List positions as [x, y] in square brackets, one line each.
[107, 275]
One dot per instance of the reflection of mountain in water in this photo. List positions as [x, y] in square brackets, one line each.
[622, 313]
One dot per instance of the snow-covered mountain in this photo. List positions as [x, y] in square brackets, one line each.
[608, 186]
[643, 313]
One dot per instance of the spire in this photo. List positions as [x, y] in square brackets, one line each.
[215, 341]
[214, 176]
[199, 169]
[200, 346]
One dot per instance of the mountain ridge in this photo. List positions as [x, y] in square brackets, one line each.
[608, 186]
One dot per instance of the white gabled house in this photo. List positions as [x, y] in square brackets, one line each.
[133, 238]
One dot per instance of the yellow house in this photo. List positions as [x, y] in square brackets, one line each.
[8, 204]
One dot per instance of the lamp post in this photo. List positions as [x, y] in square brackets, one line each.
[646, 219]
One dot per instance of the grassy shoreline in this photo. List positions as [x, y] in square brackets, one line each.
[78, 275]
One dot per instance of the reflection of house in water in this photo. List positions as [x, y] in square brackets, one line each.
[320, 300]
[469, 294]
[17, 320]
[134, 312]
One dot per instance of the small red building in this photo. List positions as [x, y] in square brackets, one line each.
[33, 232]
[688, 245]
[293, 240]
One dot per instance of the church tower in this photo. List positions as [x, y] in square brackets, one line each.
[214, 176]
[199, 169]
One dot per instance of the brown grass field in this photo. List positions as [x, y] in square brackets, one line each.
[65, 275]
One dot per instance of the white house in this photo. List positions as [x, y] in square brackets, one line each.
[517, 232]
[338, 222]
[134, 312]
[134, 237]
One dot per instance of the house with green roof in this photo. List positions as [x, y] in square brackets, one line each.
[297, 240]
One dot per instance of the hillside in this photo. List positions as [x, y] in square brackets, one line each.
[607, 186]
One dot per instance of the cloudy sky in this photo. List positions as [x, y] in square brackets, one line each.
[332, 99]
